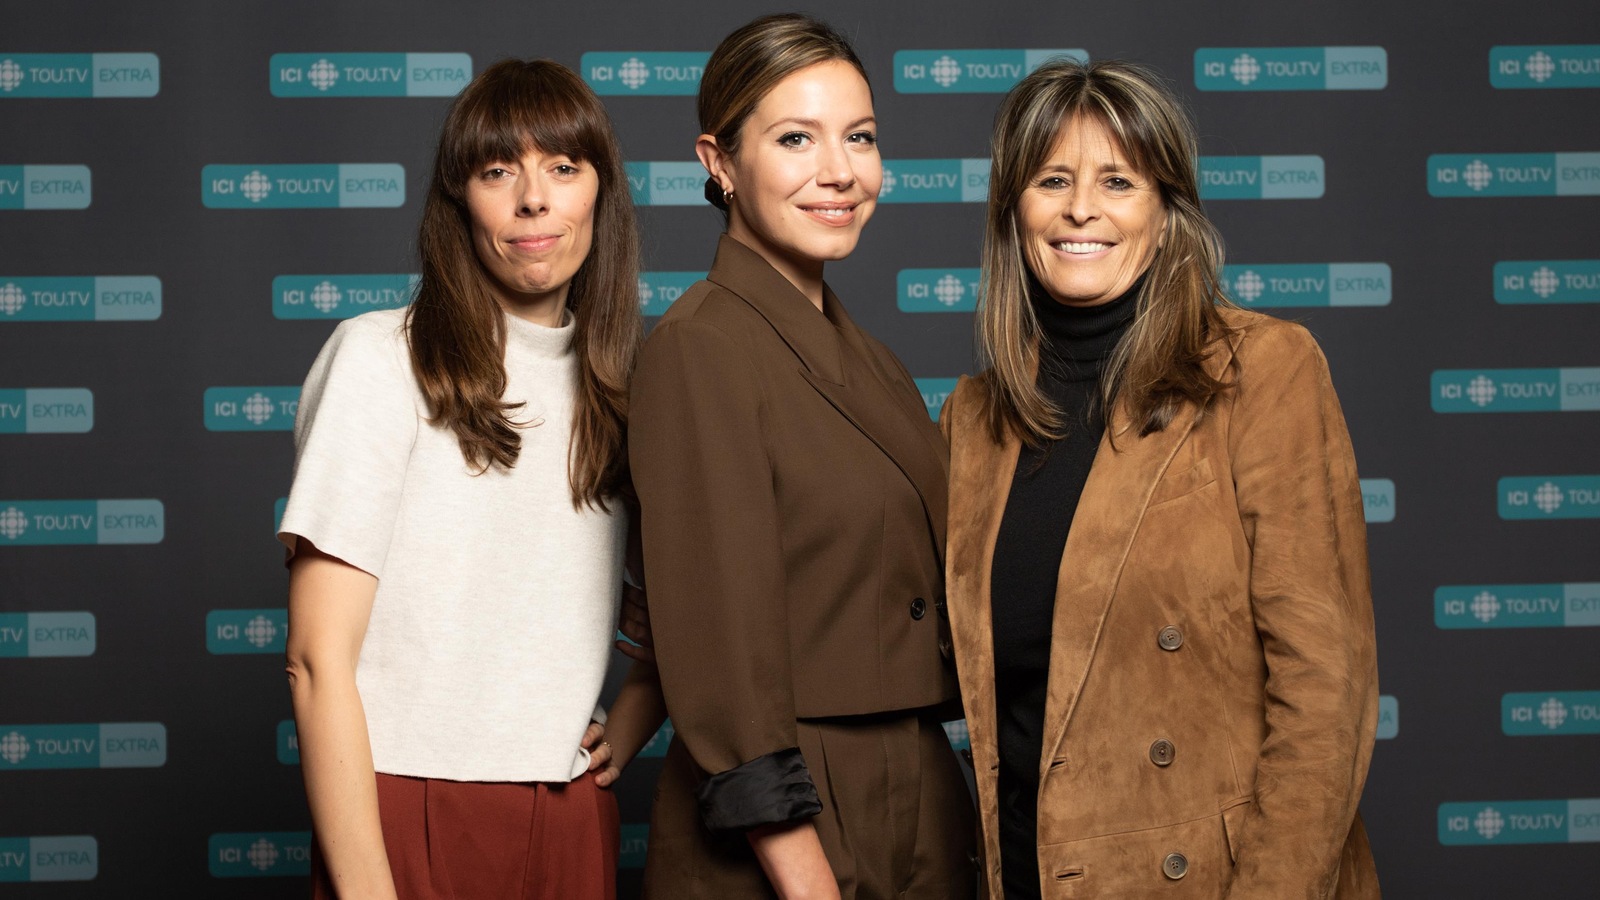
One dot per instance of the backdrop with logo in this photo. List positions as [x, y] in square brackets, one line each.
[192, 194]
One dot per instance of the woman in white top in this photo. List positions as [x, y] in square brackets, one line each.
[455, 531]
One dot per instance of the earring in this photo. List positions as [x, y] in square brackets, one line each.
[727, 196]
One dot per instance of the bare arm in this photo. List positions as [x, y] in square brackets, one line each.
[791, 855]
[633, 718]
[330, 602]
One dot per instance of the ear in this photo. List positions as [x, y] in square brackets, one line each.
[715, 160]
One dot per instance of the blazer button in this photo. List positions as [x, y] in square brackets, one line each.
[1162, 752]
[1175, 866]
[919, 607]
[1170, 638]
[946, 649]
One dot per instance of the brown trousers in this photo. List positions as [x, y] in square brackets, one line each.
[896, 821]
[453, 839]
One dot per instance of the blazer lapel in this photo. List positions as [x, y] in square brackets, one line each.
[1113, 504]
[842, 367]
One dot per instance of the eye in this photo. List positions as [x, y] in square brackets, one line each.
[566, 169]
[1052, 182]
[862, 137]
[1118, 183]
[794, 139]
[494, 172]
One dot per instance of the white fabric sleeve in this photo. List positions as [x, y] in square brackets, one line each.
[353, 432]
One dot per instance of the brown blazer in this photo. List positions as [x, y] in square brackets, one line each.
[793, 495]
[1213, 681]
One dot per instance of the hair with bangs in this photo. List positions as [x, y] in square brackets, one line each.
[749, 63]
[1160, 362]
[457, 329]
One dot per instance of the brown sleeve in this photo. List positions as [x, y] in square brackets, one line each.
[1300, 504]
[713, 561]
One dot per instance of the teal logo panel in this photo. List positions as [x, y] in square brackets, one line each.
[46, 411]
[1539, 66]
[970, 71]
[660, 74]
[45, 187]
[40, 75]
[369, 74]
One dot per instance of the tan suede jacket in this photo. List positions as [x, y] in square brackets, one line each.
[1213, 679]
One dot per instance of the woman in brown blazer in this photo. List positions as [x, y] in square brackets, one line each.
[1161, 613]
[793, 497]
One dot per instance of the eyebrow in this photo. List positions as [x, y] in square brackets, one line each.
[1108, 167]
[814, 124]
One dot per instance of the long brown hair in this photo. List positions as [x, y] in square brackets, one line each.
[457, 329]
[750, 62]
[1160, 362]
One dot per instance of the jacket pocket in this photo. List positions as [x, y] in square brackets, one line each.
[1178, 484]
[1233, 826]
[1188, 859]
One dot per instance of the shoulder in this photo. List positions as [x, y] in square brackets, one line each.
[967, 406]
[1262, 342]
[377, 333]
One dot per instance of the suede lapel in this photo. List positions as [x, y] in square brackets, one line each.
[1113, 504]
[839, 364]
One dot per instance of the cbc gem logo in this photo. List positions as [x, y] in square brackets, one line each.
[258, 854]
[77, 299]
[1570, 605]
[79, 75]
[1312, 284]
[56, 522]
[970, 71]
[657, 74]
[1516, 390]
[339, 296]
[46, 411]
[1291, 68]
[1547, 281]
[1514, 174]
[1262, 177]
[251, 408]
[934, 392]
[47, 634]
[937, 290]
[1377, 499]
[314, 186]
[1550, 497]
[1520, 822]
[230, 631]
[45, 187]
[369, 74]
[658, 290]
[56, 858]
[107, 745]
[1545, 66]
[1561, 712]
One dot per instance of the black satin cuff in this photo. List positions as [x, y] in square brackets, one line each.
[766, 790]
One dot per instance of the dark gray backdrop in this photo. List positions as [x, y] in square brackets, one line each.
[152, 826]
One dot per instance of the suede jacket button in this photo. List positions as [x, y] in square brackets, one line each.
[1170, 638]
[1162, 752]
[919, 608]
[1175, 866]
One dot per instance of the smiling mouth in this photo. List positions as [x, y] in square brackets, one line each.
[534, 242]
[831, 213]
[1080, 246]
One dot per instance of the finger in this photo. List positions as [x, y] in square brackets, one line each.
[607, 776]
[600, 756]
[592, 735]
[635, 651]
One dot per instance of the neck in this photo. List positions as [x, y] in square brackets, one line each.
[547, 309]
[804, 273]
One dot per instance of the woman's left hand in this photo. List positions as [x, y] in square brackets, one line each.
[600, 756]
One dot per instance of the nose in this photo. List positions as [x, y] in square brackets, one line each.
[835, 168]
[1082, 204]
[532, 196]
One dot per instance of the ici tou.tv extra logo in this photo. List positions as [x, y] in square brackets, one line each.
[658, 290]
[1547, 281]
[46, 410]
[1514, 174]
[260, 854]
[992, 71]
[1310, 284]
[1516, 390]
[1262, 177]
[57, 522]
[1520, 822]
[134, 298]
[107, 745]
[47, 634]
[54, 858]
[251, 408]
[1545, 66]
[659, 74]
[934, 392]
[231, 631]
[1570, 605]
[80, 75]
[315, 186]
[1568, 712]
[1291, 68]
[1550, 497]
[369, 74]
[938, 290]
[339, 296]
[45, 187]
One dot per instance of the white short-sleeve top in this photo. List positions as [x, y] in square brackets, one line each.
[497, 599]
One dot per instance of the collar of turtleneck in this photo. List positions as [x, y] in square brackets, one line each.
[1079, 339]
[527, 339]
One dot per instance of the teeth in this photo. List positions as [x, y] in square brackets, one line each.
[1087, 247]
[830, 212]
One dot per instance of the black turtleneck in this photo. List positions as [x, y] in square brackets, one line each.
[1027, 558]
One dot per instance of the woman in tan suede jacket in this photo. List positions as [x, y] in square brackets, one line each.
[1157, 572]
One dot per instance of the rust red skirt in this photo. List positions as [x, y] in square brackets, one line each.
[454, 839]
